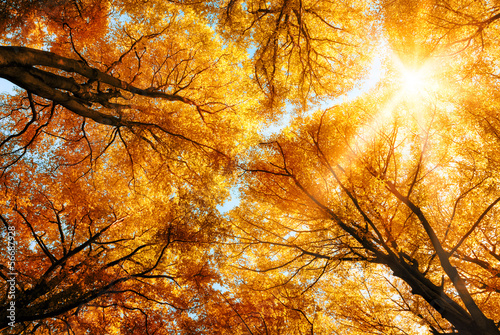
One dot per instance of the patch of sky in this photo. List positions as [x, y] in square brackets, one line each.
[232, 202]
[6, 87]
[123, 18]
[290, 235]
[32, 246]
[220, 288]
[252, 50]
[364, 86]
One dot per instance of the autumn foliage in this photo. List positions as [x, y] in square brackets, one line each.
[358, 141]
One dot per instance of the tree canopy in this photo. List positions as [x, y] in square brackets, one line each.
[360, 138]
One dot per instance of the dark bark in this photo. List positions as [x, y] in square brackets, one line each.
[20, 65]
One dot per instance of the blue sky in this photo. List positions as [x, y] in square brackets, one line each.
[6, 86]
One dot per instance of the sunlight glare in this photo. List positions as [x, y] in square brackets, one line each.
[413, 81]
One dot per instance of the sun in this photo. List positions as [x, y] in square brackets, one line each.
[416, 78]
[418, 81]
[414, 85]
[413, 81]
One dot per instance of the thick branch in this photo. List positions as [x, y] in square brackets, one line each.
[486, 325]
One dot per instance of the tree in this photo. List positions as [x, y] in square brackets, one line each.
[134, 119]
[336, 194]
[397, 186]
[113, 161]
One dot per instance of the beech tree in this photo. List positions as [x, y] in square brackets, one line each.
[133, 120]
[113, 161]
